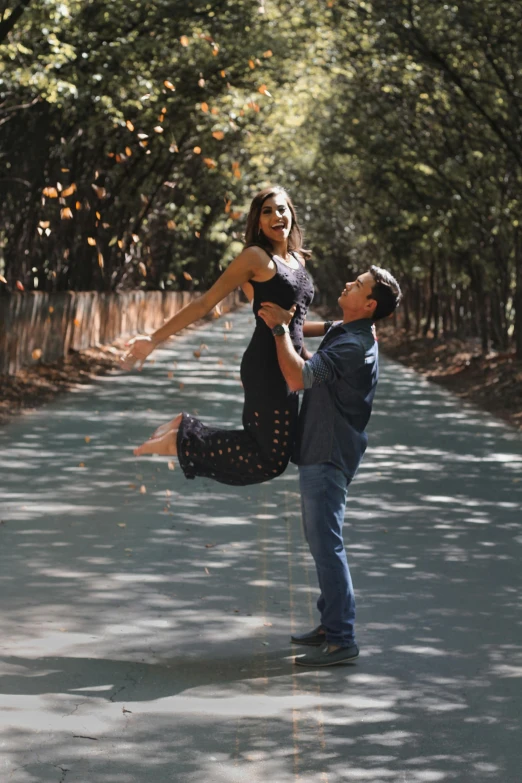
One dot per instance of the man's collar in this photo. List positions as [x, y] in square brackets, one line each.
[364, 324]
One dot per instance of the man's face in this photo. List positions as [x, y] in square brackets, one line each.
[354, 300]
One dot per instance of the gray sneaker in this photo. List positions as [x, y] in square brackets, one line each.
[313, 638]
[322, 657]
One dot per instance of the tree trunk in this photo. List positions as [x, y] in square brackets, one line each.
[517, 299]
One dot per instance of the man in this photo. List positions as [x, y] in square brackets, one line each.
[339, 382]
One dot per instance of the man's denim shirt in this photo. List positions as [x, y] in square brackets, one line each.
[339, 382]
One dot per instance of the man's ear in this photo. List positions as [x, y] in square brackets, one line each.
[370, 305]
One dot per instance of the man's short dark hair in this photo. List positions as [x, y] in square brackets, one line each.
[386, 292]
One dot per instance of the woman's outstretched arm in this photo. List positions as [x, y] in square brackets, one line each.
[239, 271]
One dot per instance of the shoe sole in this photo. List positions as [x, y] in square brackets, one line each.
[314, 665]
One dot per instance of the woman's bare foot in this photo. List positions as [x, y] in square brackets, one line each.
[165, 444]
[173, 424]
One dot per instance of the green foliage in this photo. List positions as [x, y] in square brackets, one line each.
[394, 124]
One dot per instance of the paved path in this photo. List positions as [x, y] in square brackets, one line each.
[145, 619]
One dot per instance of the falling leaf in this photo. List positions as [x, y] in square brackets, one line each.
[91, 241]
[143, 135]
[51, 309]
[253, 105]
[129, 125]
[214, 110]
[201, 82]
[76, 321]
[98, 215]
[210, 163]
[264, 90]
[158, 129]
[87, 439]
[197, 353]
[209, 546]
[173, 148]
[69, 191]
[142, 268]
[235, 215]
[268, 53]
[50, 192]
[204, 107]
[37, 353]
[81, 464]
[184, 41]
[267, 625]
[100, 192]
[207, 571]
[187, 276]
[78, 205]
[120, 244]
[222, 74]
[219, 135]
[122, 524]
[143, 489]
[215, 49]
[171, 225]
[44, 223]
[197, 150]
[171, 465]
[132, 486]
[100, 260]
[128, 151]
[168, 85]
[135, 237]
[237, 173]
[227, 206]
[66, 213]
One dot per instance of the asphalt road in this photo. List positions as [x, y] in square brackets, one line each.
[145, 619]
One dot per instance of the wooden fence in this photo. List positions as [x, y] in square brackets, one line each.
[45, 327]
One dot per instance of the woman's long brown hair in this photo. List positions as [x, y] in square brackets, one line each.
[253, 234]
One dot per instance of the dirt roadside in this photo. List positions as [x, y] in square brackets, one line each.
[492, 382]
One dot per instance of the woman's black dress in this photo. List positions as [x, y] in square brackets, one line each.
[261, 450]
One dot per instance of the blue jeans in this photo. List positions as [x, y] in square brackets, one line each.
[323, 501]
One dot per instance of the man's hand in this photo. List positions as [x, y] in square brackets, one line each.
[272, 314]
[140, 348]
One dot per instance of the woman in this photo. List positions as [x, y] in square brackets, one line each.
[272, 264]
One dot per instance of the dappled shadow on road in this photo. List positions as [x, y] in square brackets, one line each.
[147, 617]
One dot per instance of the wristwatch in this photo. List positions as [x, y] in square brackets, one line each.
[280, 329]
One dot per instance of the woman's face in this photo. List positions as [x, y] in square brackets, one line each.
[275, 220]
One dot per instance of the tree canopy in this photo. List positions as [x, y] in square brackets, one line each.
[133, 136]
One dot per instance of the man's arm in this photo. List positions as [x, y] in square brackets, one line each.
[314, 328]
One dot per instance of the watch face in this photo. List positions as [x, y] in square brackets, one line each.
[278, 330]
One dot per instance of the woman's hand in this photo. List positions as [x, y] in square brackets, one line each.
[140, 348]
[272, 314]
